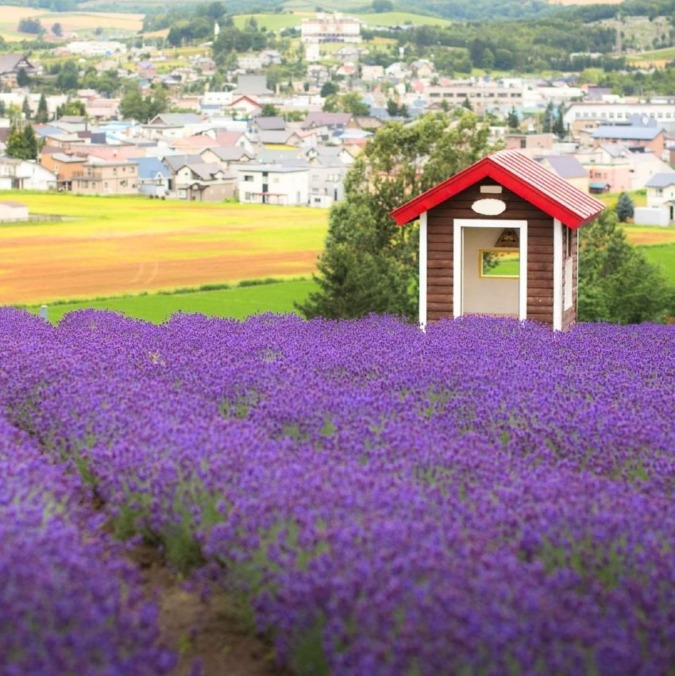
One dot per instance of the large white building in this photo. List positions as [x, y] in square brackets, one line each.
[273, 184]
[588, 115]
[330, 28]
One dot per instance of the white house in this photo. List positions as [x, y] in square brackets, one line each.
[273, 184]
[13, 211]
[660, 209]
[16, 174]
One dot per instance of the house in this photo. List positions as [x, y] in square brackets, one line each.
[253, 86]
[325, 125]
[16, 174]
[153, 177]
[199, 181]
[100, 177]
[64, 165]
[640, 137]
[500, 238]
[244, 107]
[609, 168]
[13, 211]
[327, 27]
[532, 144]
[268, 123]
[11, 65]
[273, 184]
[225, 156]
[172, 125]
[569, 168]
[283, 138]
[660, 201]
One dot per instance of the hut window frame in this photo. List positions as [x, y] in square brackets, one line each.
[483, 255]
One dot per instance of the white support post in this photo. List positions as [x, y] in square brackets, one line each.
[457, 258]
[557, 275]
[423, 271]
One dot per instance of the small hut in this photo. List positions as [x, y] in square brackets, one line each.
[13, 211]
[500, 238]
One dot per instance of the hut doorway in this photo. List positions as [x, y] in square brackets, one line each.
[490, 268]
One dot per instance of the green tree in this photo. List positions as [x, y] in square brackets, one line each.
[133, 106]
[624, 207]
[329, 87]
[617, 283]
[42, 114]
[269, 110]
[512, 120]
[25, 108]
[57, 30]
[22, 143]
[71, 108]
[380, 6]
[558, 127]
[369, 264]
[22, 79]
[68, 77]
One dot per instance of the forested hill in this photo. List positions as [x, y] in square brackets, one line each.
[458, 10]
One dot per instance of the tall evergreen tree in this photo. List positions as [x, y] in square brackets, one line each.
[42, 114]
[624, 207]
[25, 109]
[512, 120]
[369, 264]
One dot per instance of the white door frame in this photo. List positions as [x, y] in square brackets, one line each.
[458, 259]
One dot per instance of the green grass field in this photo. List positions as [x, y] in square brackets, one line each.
[236, 302]
[664, 256]
[276, 22]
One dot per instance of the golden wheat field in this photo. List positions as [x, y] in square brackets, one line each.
[114, 246]
[71, 22]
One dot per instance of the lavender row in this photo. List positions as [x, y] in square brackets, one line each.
[485, 496]
[70, 603]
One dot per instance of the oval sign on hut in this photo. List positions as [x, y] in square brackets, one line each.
[489, 207]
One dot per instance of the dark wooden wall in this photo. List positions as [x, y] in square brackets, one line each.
[440, 222]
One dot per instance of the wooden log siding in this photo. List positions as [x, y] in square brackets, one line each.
[440, 222]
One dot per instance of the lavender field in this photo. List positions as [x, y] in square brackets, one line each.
[486, 497]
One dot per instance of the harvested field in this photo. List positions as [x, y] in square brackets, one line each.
[129, 245]
[649, 236]
[71, 22]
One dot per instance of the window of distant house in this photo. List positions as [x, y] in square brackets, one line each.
[659, 192]
[248, 177]
[105, 185]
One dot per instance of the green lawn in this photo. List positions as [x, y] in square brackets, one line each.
[238, 302]
[664, 256]
[276, 22]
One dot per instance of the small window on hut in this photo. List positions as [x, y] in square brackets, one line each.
[499, 263]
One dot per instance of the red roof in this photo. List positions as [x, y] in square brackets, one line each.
[522, 176]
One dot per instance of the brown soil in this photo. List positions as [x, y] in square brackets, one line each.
[210, 632]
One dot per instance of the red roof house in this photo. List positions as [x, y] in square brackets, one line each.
[500, 238]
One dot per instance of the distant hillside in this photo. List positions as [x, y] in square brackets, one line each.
[455, 10]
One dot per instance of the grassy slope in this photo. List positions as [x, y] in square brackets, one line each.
[237, 303]
[275, 22]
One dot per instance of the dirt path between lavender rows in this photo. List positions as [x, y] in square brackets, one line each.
[207, 633]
